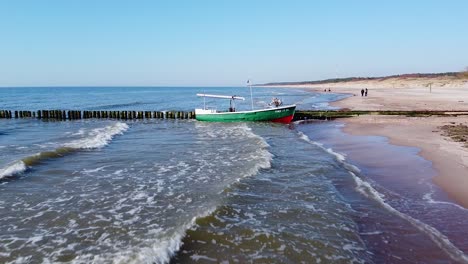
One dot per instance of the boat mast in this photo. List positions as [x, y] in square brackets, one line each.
[251, 97]
[204, 100]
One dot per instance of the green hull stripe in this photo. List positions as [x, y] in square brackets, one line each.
[252, 116]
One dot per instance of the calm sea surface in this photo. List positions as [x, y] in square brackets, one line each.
[183, 191]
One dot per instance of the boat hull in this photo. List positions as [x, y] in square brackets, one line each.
[280, 114]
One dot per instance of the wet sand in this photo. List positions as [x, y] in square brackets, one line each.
[449, 158]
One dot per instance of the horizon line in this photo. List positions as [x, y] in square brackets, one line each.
[117, 86]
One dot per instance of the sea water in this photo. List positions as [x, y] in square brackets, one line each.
[183, 191]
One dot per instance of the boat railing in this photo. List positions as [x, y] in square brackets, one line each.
[213, 108]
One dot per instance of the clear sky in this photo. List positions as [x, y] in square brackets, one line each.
[178, 43]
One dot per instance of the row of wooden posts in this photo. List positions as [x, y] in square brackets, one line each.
[128, 115]
[76, 114]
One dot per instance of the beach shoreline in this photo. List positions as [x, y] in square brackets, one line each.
[449, 158]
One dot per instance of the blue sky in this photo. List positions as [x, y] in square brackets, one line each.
[179, 43]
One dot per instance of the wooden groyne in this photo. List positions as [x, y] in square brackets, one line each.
[61, 115]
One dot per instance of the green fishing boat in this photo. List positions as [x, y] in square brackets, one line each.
[276, 113]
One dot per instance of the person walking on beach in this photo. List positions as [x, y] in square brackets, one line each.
[365, 92]
[362, 92]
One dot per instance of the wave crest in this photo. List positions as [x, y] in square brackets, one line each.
[96, 138]
[12, 169]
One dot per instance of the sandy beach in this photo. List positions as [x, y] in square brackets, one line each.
[449, 158]
[405, 99]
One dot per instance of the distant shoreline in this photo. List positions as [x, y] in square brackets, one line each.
[417, 80]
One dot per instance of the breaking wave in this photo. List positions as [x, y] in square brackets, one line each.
[159, 251]
[96, 138]
[258, 151]
[12, 169]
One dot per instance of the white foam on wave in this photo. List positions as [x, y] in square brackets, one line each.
[435, 235]
[263, 155]
[197, 258]
[340, 157]
[12, 169]
[80, 132]
[98, 137]
[161, 250]
[89, 171]
[372, 233]
[428, 198]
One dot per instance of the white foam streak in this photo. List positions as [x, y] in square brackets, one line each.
[261, 154]
[265, 157]
[98, 137]
[161, 250]
[12, 169]
[437, 237]
[89, 171]
[428, 197]
[340, 157]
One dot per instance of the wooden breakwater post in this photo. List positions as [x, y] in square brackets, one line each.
[5, 114]
[62, 115]
[17, 114]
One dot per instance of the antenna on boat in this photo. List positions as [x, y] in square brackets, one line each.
[251, 97]
[204, 100]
